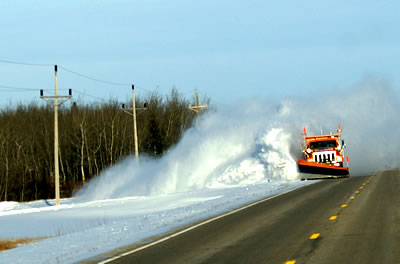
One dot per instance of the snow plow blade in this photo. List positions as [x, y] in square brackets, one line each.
[315, 170]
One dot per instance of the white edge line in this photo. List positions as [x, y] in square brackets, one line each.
[193, 227]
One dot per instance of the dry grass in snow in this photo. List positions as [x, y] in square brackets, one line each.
[6, 244]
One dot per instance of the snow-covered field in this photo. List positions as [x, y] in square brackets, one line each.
[79, 230]
[230, 158]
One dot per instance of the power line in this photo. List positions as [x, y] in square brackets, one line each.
[141, 88]
[74, 72]
[88, 95]
[99, 80]
[94, 79]
[25, 63]
[16, 89]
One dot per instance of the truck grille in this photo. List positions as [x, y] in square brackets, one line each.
[325, 156]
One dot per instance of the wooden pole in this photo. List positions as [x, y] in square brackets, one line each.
[56, 169]
[56, 103]
[197, 102]
[135, 138]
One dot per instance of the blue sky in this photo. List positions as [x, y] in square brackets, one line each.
[229, 50]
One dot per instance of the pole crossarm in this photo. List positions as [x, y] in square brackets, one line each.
[198, 108]
[58, 97]
[130, 110]
[52, 97]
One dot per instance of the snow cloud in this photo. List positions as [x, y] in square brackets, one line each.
[258, 141]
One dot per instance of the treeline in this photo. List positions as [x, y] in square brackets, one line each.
[91, 138]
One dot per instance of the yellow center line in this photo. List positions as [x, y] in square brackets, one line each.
[333, 217]
[315, 236]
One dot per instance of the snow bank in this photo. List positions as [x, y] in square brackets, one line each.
[7, 206]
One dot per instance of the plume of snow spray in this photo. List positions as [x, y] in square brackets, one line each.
[261, 143]
[369, 113]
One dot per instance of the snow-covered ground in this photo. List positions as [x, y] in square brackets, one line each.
[230, 158]
[79, 230]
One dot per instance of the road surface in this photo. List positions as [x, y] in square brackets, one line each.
[355, 220]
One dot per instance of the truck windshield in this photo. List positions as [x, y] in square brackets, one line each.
[323, 144]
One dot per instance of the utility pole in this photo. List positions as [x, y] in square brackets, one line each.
[197, 108]
[135, 138]
[56, 104]
[134, 124]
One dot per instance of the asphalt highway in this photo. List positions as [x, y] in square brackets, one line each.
[354, 220]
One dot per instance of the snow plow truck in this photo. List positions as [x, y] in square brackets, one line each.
[323, 157]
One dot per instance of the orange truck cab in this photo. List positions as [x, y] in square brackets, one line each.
[323, 156]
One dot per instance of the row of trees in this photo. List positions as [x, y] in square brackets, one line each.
[91, 138]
